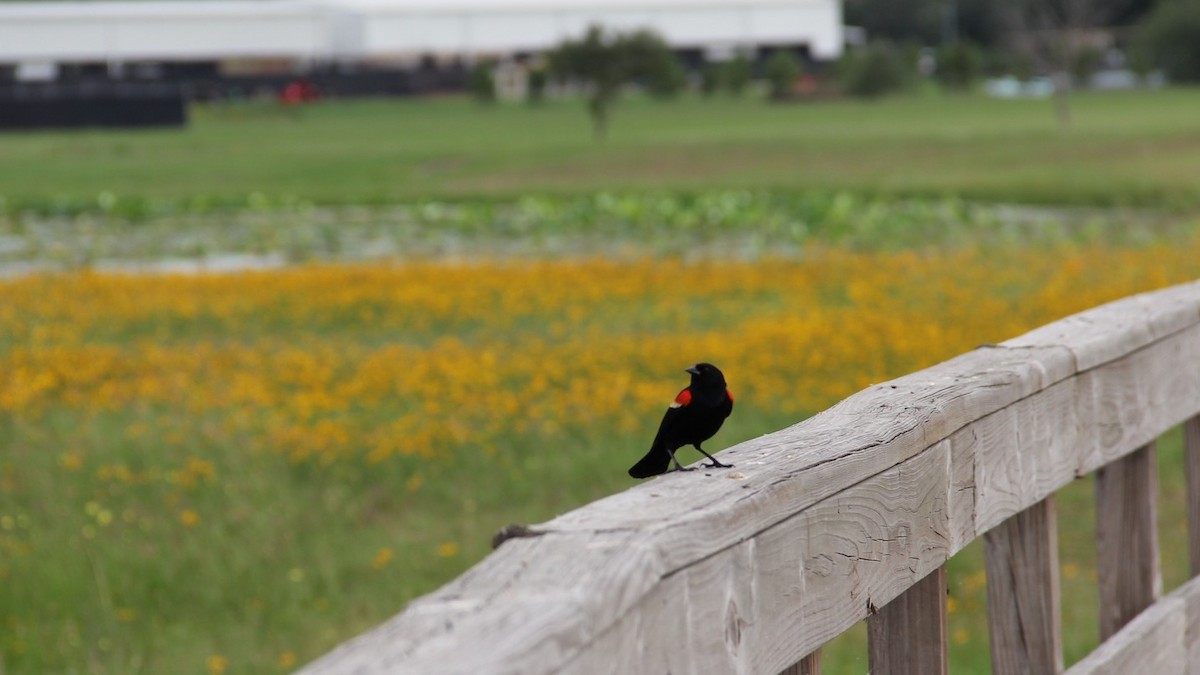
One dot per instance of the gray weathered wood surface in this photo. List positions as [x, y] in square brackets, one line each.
[1165, 638]
[908, 635]
[749, 570]
[1127, 568]
[1024, 613]
[809, 665]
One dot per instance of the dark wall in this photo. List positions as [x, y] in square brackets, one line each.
[46, 106]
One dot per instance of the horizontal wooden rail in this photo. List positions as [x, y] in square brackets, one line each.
[821, 524]
[1163, 639]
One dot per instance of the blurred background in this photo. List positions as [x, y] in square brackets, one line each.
[302, 300]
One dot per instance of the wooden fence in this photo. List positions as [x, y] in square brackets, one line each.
[852, 515]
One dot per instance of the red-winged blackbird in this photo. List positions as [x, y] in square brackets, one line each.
[693, 418]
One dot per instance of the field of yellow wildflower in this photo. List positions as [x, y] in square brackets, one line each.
[234, 472]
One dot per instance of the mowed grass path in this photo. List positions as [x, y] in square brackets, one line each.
[233, 473]
[1141, 148]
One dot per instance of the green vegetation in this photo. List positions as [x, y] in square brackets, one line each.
[781, 71]
[1124, 149]
[604, 62]
[203, 474]
[1170, 39]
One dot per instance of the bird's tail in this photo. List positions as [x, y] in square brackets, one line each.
[655, 462]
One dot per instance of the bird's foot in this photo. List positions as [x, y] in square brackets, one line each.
[718, 465]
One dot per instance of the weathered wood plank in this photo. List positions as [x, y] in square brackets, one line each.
[1162, 639]
[1024, 614]
[761, 606]
[1190, 594]
[964, 445]
[1109, 332]
[809, 665]
[1137, 398]
[908, 635]
[1191, 454]
[1127, 555]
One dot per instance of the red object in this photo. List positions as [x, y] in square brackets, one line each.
[298, 91]
[684, 397]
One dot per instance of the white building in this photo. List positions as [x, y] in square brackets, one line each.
[36, 37]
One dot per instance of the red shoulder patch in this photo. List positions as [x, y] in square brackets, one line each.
[730, 395]
[684, 398]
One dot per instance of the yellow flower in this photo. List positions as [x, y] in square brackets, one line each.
[287, 660]
[189, 518]
[71, 461]
[414, 482]
[126, 614]
[447, 549]
[382, 558]
[217, 664]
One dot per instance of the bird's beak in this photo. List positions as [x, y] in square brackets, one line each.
[692, 369]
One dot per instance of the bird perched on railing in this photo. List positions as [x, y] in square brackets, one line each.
[695, 415]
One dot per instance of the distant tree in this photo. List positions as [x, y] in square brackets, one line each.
[595, 61]
[933, 22]
[736, 74]
[483, 82]
[651, 62]
[896, 20]
[782, 69]
[604, 62]
[1054, 33]
[1169, 38]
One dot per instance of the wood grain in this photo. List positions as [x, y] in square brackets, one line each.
[1127, 567]
[1024, 611]
[750, 570]
[908, 635]
[809, 665]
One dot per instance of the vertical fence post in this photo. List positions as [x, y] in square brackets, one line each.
[809, 665]
[1126, 538]
[1191, 454]
[908, 635]
[1024, 611]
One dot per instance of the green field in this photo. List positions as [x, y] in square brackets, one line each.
[235, 473]
[1123, 148]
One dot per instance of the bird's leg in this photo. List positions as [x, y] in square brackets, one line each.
[678, 466]
[715, 462]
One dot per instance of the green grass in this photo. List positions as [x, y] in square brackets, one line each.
[1124, 148]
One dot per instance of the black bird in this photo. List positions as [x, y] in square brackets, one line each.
[697, 414]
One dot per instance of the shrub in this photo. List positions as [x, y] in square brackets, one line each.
[1084, 63]
[536, 93]
[873, 71]
[710, 79]
[958, 65]
[666, 76]
[782, 69]
[736, 74]
[483, 83]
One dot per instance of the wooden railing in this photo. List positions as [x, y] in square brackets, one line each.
[852, 515]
